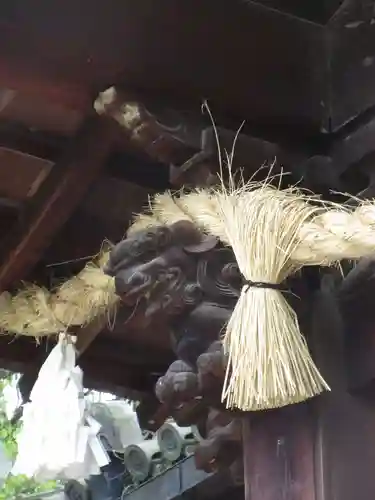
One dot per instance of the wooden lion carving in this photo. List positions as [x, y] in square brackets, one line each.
[180, 274]
[189, 278]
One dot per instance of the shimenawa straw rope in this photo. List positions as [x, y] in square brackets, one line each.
[272, 233]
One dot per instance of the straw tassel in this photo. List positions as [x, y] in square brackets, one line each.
[269, 362]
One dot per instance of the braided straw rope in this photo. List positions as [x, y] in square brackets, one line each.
[333, 234]
[273, 233]
[269, 365]
[37, 312]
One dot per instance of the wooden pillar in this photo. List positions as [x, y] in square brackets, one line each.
[323, 449]
[279, 462]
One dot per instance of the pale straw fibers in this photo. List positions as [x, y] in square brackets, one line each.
[273, 233]
[37, 312]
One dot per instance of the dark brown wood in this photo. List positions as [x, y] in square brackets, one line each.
[164, 134]
[323, 449]
[38, 112]
[281, 447]
[31, 172]
[117, 377]
[20, 78]
[193, 284]
[222, 445]
[56, 200]
[24, 350]
[321, 11]
[35, 142]
[121, 375]
[278, 455]
[119, 43]
[180, 275]
[351, 62]
[187, 141]
[87, 334]
[357, 306]
[342, 162]
[345, 441]
[104, 48]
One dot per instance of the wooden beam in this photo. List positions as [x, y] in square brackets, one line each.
[168, 137]
[31, 172]
[26, 81]
[38, 143]
[356, 304]
[56, 199]
[278, 455]
[323, 449]
[345, 432]
[86, 335]
[26, 350]
[100, 372]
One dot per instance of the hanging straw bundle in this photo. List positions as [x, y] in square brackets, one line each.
[269, 362]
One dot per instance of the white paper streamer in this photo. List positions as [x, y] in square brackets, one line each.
[57, 440]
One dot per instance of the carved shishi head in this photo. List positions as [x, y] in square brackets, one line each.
[176, 271]
[178, 276]
[189, 279]
[192, 281]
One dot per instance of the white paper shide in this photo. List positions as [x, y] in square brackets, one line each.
[58, 439]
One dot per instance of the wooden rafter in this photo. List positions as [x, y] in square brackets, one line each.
[26, 81]
[56, 199]
[115, 375]
[169, 137]
[89, 333]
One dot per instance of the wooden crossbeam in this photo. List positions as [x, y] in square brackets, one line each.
[56, 199]
[88, 334]
[101, 373]
[27, 81]
[169, 137]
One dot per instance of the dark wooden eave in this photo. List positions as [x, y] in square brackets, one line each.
[284, 62]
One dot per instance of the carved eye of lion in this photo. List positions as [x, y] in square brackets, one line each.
[174, 274]
[231, 272]
[166, 301]
[192, 294]
[162, 237]
[157, 238]
[137, 247]
[137, 281]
